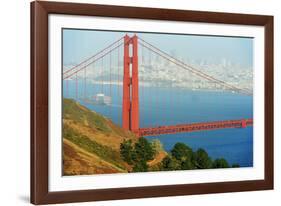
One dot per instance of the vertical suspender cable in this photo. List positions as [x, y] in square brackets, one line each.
[118, 72]
[150, 96]
[102, 75]
[110, 94]
[119, 102]
[76, 86]
[85, 83]
[92, 93]
[171, 102]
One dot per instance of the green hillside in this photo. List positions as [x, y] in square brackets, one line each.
[91, 142]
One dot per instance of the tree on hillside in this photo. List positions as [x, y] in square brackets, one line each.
[220, 163]
[181, 151]
[203, 161]
[188, 164]
[170, 163]
[144, 150]
[127, 151]
[140, 166]
[184, 155]
[157, 145]
[137, 154]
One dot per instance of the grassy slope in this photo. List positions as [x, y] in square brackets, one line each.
[91, 142]
[79, 161]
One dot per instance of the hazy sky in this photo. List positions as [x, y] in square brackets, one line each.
[80, 44]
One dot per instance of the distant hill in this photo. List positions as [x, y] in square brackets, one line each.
[91, 142]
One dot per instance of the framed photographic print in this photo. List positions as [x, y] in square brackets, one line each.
[131, 102]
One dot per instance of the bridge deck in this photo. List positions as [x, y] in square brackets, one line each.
[193, 127]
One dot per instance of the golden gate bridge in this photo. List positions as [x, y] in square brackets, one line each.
[127, 63]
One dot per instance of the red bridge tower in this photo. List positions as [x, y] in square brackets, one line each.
[130, 109]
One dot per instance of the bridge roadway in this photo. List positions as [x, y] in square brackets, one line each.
[193, 127]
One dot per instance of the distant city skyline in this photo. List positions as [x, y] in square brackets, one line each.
[80, 44]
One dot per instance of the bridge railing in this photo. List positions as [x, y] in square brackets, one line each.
[195, 127]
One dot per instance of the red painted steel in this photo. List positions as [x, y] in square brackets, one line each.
[135, 87]
[130, 113]
[193, 127]
[126, 86]
[243, 123]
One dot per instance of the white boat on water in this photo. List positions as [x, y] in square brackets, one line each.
[102, 99]
[99, 99]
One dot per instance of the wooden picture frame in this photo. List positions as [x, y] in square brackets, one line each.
[40, 193]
